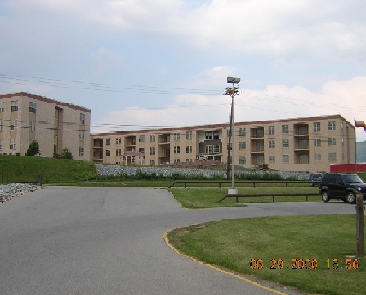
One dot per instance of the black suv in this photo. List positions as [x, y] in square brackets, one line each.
[341, 186]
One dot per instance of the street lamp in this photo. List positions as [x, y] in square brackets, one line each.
[234, 90]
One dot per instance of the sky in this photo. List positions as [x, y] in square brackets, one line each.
[141, 64]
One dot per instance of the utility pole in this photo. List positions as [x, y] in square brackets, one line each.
[360, 209]
[234, 90]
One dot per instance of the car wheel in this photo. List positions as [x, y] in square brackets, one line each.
[325, 197]
[351, 198]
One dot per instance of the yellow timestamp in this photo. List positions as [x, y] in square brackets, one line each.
[348, 263]
[303, 263]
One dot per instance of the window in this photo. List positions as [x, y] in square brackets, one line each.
[177, 149]
[188, 149]
[108, 153]
[271, 130]
[332, 157]
[142, 150]
[118, 152]
[317, 142]
[56, 114]
[242, 160]
[284, 129]
[14, 106]
[317, 126]
[13, 124]
[216, 149]
[32, 107]
[285, 143]
[208, 149]
[189, 135]
[331, 141]
[55, 132]
[271, 159]
[260, 133]
[108, 141]
[81, 151]
[12, 144]
[152, 138]
[1, 107]
[285, 159]
[176, 136]
[331, 125]
[304, 159]
[1, 144]
[303, 144]
[228, 133]
[81, 134]
[271, 144]
[82, 119]
[242, 132]
[118, 140]
[1, 125]
[152, 150]
[32, 126]
[152, 162]
[242, 146]
[303, 130]
[317, 156]
[260, 146]
[142, 138]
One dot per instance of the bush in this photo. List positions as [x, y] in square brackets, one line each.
[33, 148]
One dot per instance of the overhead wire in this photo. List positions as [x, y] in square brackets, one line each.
[255, 96]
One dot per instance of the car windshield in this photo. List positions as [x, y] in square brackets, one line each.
[352, 179]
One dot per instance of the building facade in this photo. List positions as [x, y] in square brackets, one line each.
[53, 124]
[298, 144]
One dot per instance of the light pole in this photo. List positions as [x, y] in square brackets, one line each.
[234, 90]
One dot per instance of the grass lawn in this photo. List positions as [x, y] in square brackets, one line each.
[306, 252]
[196, 198]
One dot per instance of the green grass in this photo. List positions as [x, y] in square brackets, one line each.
[197, 198]
[232, 244]
[26, 169]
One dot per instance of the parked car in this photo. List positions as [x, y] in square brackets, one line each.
[341, 186]
[315, 179]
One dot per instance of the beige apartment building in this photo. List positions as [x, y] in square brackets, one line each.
[298, 144]
[53, 124]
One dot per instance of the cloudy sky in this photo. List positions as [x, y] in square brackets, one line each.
[141, 64]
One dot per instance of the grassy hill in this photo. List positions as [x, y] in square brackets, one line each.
[27, 169]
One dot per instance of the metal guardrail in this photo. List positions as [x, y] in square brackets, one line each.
[220, 182]
[237, 196]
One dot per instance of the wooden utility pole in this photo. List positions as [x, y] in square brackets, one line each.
[360, 234]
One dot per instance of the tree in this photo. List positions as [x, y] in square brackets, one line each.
[66, 154]
[33, 148]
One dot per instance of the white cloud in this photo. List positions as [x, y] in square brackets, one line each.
[268, 27]
[104, 59]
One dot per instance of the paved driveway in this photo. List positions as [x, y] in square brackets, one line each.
[110, 241]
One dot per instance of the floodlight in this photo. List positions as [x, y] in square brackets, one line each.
[233, 80]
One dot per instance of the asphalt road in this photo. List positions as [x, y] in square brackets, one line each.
[110, 241]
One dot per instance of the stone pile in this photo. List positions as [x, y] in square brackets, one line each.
[12, 190]
[115, 170]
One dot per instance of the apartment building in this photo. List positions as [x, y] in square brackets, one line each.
[297, 144]
[53, 124]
